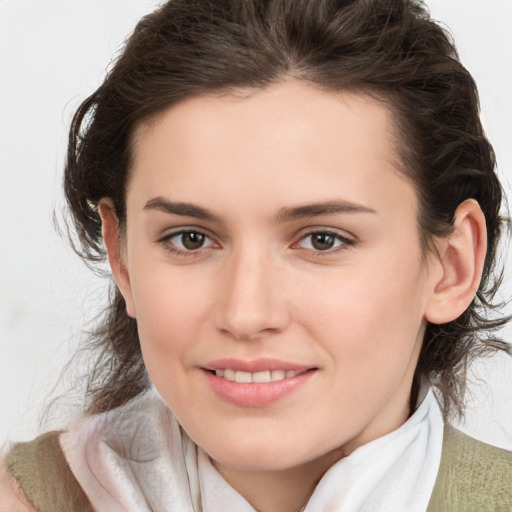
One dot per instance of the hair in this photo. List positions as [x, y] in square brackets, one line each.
[390, 49]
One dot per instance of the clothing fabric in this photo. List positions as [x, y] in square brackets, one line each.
[138, 459]
[44, 475]
[472, 477]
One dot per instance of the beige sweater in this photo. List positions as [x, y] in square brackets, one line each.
[473, 477]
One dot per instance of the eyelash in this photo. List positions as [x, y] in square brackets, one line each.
[344, 243]
[168, 245]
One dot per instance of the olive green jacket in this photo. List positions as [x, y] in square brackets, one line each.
[473, 476]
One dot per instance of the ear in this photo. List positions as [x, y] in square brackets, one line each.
[111, 236]
[462, 257]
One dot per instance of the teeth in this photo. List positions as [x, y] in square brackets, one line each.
[259, 377]
[278, 375]
[229, 374]
[243, 377]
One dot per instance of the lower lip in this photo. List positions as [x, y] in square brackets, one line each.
[255, 394]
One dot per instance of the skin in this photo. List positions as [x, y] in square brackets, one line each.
[355, 314]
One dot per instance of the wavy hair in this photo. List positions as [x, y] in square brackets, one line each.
[390, 49]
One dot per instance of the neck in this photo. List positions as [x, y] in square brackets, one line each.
[288, 490]
[284, 491]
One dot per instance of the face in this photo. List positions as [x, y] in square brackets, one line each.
[272, 261]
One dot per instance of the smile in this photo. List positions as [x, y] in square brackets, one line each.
[258, 383]
[256, 377]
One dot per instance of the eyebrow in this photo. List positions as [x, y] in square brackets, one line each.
[284, 215]
[316, 209]
[184, 209]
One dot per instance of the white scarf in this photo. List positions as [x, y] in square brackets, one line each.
[138, 459]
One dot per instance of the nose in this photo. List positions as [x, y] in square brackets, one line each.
[252, 303]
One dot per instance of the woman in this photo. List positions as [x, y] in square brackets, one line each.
[299, 207]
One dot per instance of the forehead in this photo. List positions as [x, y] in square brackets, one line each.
[291, 137]
[320, 114]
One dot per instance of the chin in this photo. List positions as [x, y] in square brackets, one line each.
[262, 455]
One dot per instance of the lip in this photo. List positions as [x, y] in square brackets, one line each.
[255, 395]
[256, 365]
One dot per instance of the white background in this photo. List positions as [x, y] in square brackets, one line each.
[53, 53]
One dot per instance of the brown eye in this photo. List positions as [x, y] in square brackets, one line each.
[192, 240]
[186, 241]
[322, 241]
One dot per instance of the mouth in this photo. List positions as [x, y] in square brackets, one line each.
[256, 383]
[262, 377]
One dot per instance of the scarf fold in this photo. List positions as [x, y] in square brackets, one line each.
[138, 459]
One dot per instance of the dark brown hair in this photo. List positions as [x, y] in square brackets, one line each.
[390, 49]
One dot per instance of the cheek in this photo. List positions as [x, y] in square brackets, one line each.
[368, 321]
[171, 312]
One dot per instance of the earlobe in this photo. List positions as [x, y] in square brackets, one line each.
[461, 256]
[110, 231]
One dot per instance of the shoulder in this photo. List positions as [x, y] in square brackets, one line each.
[37, 473]
[12, 498]
[479, 462]
[472, 475]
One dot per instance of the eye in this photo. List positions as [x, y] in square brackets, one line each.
[323, 241]
[188, 240]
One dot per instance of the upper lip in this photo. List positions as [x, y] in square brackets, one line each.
[256, 365]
